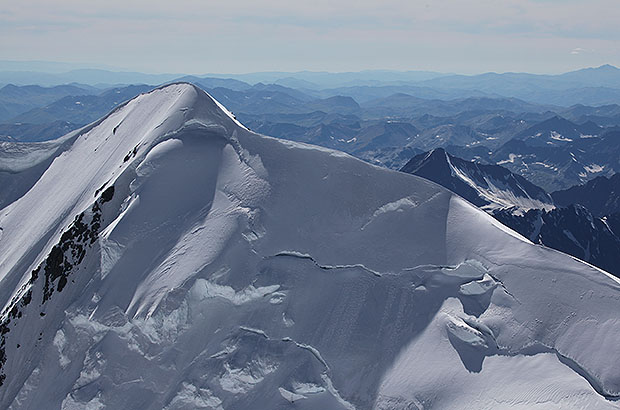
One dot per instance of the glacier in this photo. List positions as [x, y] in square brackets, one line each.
[167, 257]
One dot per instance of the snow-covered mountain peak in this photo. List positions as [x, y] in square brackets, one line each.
[104, 151]
[167, 257]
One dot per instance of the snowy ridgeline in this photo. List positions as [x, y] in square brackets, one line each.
[167, 257]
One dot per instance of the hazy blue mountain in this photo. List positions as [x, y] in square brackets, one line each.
[366, 93]
[603, 76]
[470, 131]
[339, 104]
[407, 106]
[595, 96]
[257, 101]
[15, 100]
[330, 80]
[558, 130]
[36, 132]
[592, 86]
[560, 164]
[276, 99]
[604, 115]
[595, 86]
[54, 74]
[504, 83]
[211, 82]
[270, 87]
[366, 139]
[81, 109]
[385, 133]
[307, 119]
[495, 128]
[554, 153]
[297, 83]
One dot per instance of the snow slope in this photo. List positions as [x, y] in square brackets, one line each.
[22, 164]
[168, 257]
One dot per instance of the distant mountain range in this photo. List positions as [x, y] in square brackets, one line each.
[81, 109]
[562, 161]
[590, 86]
[48, 113]
[16, 100]
[557, 130]
[552, 146]
[36, 132]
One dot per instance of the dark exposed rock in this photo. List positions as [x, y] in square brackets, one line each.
[62, 261]
[573, 230]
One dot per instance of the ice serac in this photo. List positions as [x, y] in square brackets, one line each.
[168, 257]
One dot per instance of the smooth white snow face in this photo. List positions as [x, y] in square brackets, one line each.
[232, 270]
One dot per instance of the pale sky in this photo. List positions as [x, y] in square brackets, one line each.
[237, 36]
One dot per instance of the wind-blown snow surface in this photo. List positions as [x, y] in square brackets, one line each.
[170, 258]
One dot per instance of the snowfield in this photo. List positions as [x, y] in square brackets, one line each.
[166, 257]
